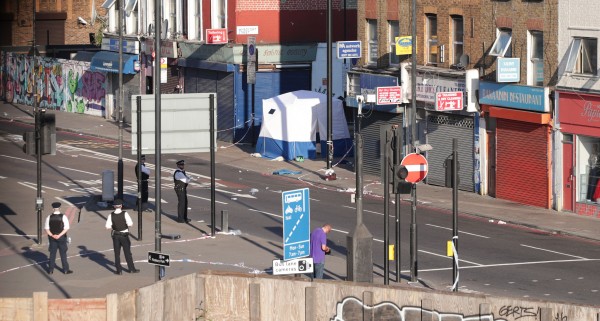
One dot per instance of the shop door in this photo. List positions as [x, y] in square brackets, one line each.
[492, 163]
[568, 177]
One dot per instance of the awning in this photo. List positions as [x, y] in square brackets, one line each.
[108, 61]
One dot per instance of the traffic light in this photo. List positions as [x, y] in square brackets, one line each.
[48, 133]
[29, 146]
[401, 186]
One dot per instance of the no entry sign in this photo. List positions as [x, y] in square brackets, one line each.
[416, 165]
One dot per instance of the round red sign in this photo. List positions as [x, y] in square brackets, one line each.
[416, 165]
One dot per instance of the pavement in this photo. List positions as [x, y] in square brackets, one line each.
[217, 250]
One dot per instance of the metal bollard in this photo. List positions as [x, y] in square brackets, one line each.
[224, 221]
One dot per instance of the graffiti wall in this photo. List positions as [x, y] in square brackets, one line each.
[85, 90]
[65, 85]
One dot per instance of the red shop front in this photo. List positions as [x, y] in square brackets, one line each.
[579, 123]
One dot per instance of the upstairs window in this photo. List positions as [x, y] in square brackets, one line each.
[583, 56]
[535, 67]
[218, 14]
[372, 34]
[457, 39]
[501, 46]
[393, 32]
[432, 40]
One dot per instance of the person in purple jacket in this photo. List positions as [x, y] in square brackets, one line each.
[318, 249]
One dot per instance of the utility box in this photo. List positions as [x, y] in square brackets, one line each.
[108, 185]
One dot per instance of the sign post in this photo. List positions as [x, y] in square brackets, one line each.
[296, 223]
[416, 165]
[160, 259]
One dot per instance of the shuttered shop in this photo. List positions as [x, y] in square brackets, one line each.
[370, 133]
[522, 162]
[441, 130]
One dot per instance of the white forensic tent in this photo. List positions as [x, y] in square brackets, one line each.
[291, 122]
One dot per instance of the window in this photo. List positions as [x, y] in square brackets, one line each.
[432, 40]
[218, 14]
[535, 66]
[372, 34]
[457, 39]
[501, 46]
[172, 27]
[583, 56]
[197, 25]
[393, 32]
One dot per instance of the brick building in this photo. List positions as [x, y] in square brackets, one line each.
[57, 22]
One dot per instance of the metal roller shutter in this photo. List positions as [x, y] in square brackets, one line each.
[370, 133]
[441, 129]
[522, 162]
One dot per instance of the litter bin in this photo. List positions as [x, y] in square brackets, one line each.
[108, 185]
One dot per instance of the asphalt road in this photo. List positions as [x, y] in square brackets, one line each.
[497, 259]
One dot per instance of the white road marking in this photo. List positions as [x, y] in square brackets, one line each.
[20, 159]
[2, 177]
[511, 264]
[78, 170]
[373, 212]
[448, 257]
[207, 199]
[34, 186]
[541, 249]
[447, 228]
[4, 234]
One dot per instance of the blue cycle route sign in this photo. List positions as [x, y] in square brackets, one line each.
[296, 223]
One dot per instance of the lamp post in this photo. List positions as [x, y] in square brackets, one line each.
[414, 143]
[120, 104]
[329, 89]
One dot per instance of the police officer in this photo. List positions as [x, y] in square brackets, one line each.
[56, 227]
[145, 176]
[119, 222]
[181, 180]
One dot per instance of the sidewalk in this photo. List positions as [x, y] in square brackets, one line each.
[238, 156]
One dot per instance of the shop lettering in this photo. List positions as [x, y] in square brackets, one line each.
[512, 97]
[591, 112]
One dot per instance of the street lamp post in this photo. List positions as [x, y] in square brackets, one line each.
[120, 104]
[414, 143]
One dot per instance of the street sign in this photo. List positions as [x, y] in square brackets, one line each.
[296, 223]
[391, 95]
[445, 101]
[251, 56]
[216, 36]
[348, 49]
[159, 259]
[297, 266]
[416, 165]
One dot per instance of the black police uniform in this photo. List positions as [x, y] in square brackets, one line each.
[121, 239]
[56, 227]
[182, 200]
[144, 186]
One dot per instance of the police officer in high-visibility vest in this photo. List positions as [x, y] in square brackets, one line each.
[57, 225]
[119, 222]
[181, 180]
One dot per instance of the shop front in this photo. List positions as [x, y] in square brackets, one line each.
[519, 142]
[579, 117]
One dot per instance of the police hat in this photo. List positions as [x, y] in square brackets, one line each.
[181, 162]
[143, 157]
[56, 205]
[118, 202]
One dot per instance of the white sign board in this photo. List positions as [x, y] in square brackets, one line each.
[297, 266]
[185, 123]
[247, 30]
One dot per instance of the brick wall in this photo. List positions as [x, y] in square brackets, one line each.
[284, 5]
[523, 16]
[74, 33]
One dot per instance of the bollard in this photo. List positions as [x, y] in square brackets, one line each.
[224, 221]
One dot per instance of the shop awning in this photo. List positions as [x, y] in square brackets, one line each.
[108, 61]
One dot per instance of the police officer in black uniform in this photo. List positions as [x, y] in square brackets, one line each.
[56, 227]
[119, 222]
[181, 182]
[145, 176]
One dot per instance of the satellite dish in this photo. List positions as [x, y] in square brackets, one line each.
[464, 60]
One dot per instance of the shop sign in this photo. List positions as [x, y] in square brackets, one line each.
[168, 48]
[247, 30]
[348, 49]
[508, 70]
[449, 101]
[216, 36]
[129, 46]
[237, 54]
[403, 45]
[428, 87]
[514, 96]
[579, 109]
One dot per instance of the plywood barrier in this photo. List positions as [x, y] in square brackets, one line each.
[233, 296]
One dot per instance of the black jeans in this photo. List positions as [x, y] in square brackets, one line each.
[122, 240]
[61, 246]
[182, 204]
[144, 191]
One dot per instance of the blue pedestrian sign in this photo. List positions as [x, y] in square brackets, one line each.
[348, 49]
[296, 223]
